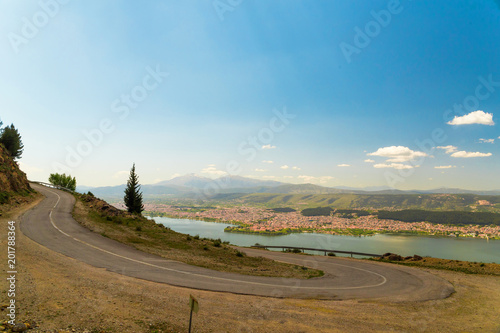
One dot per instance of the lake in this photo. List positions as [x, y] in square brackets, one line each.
[469, 249]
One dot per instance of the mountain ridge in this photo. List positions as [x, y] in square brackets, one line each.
[192, 185]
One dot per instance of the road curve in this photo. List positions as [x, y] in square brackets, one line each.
[51, 224]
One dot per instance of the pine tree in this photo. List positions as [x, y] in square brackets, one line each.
[11, 139]
[133, 195]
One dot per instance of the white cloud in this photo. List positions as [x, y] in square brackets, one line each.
[268, 147]
[487, 140]
[175, 175]
[444, 167]
[268, 162]
[465, 154]
[398, 166]
[316, 180]
[284, 167]
[398, 154]
[369, 161]
[343, 165]
[269, 177]
[121, 174]
[296, 168]
[448, 149]
[453, 151]
[260, 170]
[288, 177]
[211, 170]
[475, 117]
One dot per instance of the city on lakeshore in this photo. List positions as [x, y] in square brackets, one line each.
[267, 221]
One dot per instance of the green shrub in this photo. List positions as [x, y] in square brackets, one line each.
[63, 180]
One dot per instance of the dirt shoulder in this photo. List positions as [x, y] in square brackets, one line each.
[60, 293]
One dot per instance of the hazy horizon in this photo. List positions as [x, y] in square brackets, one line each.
[286, 183]
[403, 94]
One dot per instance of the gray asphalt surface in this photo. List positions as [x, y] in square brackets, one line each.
[51, 225]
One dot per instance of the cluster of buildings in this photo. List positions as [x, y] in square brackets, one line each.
[264, 220]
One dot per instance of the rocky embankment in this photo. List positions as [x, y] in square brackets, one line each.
[13, 182]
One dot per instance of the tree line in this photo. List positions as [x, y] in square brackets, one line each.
[413, 215]
[327, 211]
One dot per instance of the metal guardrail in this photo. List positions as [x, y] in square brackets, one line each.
[319, 250]
[53, 186]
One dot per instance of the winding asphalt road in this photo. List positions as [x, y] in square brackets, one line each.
[51, 224]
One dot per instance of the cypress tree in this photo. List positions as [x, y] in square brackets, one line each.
[133, 194]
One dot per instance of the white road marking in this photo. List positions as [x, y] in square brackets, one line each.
[384, 280]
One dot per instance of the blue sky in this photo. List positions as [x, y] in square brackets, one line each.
[351, 93]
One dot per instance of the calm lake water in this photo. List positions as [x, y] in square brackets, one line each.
[469, 249]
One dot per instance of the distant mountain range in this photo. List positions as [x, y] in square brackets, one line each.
[193, 181]
[194, 186]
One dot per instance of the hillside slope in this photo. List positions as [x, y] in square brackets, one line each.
[439, 202]
[13, 182]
